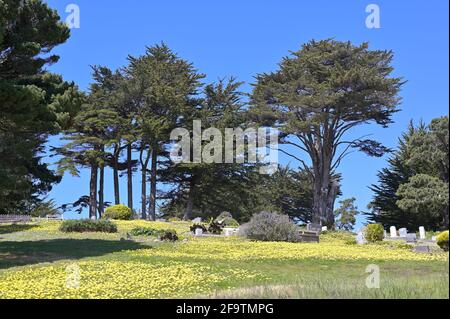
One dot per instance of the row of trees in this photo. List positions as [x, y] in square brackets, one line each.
[314, 99]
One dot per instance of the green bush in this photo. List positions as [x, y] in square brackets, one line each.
[374, 233]
[162, 234]
[442, 240]
[227, 220]
[268, 226]
[87, 225]
[174, 219]
[118, 212]
[44, 209]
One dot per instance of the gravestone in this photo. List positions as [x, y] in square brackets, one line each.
[411, 237]
[197, 220]
[421, 249]
[314, 227]
[385, 234]
[360, 240]
[198, 232]
[403, 232]
[393, 232]
[422, 232]
[324, 228]
[433, 238]
[229, 231]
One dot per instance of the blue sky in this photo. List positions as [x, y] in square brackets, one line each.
[243, 38]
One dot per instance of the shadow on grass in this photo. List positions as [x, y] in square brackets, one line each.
[16, 253]
[14, 228]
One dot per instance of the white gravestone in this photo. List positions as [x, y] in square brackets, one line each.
[198, 232]
[229, 231]
[422, 232]
[360, 240]
[403, 232]
[393, 232]
[324, 228]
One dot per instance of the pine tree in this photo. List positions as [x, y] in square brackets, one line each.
[33, 102]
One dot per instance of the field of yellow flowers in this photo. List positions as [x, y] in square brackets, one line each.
[39, 261]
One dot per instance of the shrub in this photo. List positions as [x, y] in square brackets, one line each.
[268, 226]
[118, 212]
[87, 225]
[162, 234]
[44, 209]
[374, 233]
[168, 235]
[215, 227]
[227, 219]
[442, 240]
[174, 219]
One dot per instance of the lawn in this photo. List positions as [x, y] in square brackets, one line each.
[39, 261]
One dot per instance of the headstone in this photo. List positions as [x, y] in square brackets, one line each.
[433, 238]
[198, 232]
[411, 238]
[421, 249]
[228, 231]
[422, 232]
[314, 227]
[393, 232]
[197, 220]
[360, 240]
[385, 234]
[324, 228]
[403, 232]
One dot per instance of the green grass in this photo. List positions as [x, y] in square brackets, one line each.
[230, 268]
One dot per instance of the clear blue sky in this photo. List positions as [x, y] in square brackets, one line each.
[243, 38]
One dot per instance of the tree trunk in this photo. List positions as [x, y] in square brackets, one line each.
[190, 202]
[322, 178]
[152, 205]
[332, 195]
[101, 192]
[144, 165]
[116, 175]
[129, 176]
[93, 193]
[446, 219]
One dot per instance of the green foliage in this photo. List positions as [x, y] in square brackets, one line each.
[45, 208]
[411, 189]
[119, 212]
[345, 215]
[442, 240]
[269, 226]
[174, 219]
[227, 220]
[88, 225]
[423, 192]
[162, 234]
[374, 233]
[34, 103]
[327, 86]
